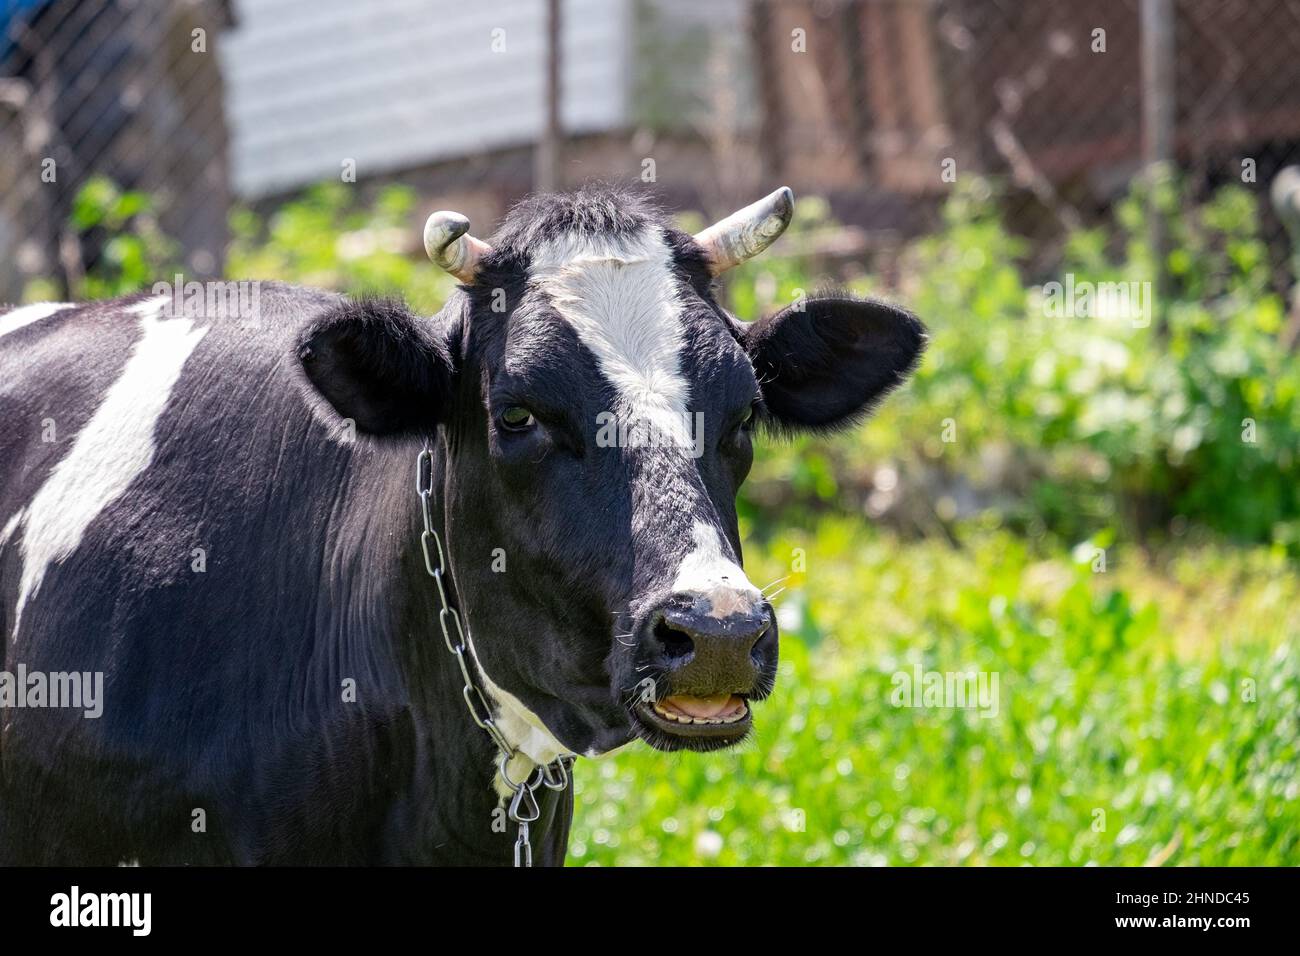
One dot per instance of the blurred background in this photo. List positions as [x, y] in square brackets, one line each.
[1100, 508]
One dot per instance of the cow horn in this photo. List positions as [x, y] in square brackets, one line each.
[449, 245]
[746, 233]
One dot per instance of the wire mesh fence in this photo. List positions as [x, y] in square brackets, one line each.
[110, 88]
[878, 105]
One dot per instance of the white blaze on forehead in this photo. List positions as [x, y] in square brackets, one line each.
[620, 295]
[22, 317]
[708, 572]
[115, 446]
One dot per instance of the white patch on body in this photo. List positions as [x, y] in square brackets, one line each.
[25, 315]
[535, 745]
[10, 527]
[113, 448]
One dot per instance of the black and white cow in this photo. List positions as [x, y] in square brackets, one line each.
[185, 509]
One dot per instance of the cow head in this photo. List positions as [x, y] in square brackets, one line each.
[596, 409]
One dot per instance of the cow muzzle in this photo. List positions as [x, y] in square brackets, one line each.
[707, 669]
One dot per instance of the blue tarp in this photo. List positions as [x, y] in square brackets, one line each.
[13, 12]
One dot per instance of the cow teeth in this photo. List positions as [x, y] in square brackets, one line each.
[685, 719]
[670, 715]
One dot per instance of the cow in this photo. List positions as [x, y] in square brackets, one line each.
[264, 533]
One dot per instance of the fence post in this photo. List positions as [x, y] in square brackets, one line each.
[1159, 77]
[547, 172]
[1285, 194]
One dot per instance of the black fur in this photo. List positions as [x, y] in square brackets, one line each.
[374, 363]
[829, 360]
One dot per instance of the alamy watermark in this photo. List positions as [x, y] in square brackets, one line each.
[236, 299]
[680, 430]
[946, 690]
[1074, 299]
[77, 690]
[133, 911]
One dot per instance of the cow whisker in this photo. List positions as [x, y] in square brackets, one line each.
[632, 697]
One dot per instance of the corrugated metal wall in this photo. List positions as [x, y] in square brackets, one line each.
[395, 83]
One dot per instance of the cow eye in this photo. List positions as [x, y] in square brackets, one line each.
[746, 418]
[516, 418]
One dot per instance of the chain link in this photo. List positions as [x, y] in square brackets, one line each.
[523, 808]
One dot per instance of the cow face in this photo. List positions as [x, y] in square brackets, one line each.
[596, 409]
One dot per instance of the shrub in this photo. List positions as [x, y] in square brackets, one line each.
[1072, 423]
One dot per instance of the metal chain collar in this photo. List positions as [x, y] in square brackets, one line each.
[524, 808]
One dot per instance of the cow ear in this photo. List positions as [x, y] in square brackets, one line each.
[827, 361]
[380, 366]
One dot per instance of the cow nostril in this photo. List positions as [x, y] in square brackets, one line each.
[676, 644]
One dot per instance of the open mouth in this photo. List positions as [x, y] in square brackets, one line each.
[682, 720]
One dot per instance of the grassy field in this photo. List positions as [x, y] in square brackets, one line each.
[1146, 714]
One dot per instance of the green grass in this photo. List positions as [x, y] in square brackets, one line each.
[1126, 732]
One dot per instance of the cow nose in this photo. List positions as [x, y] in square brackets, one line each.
[708, 654]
